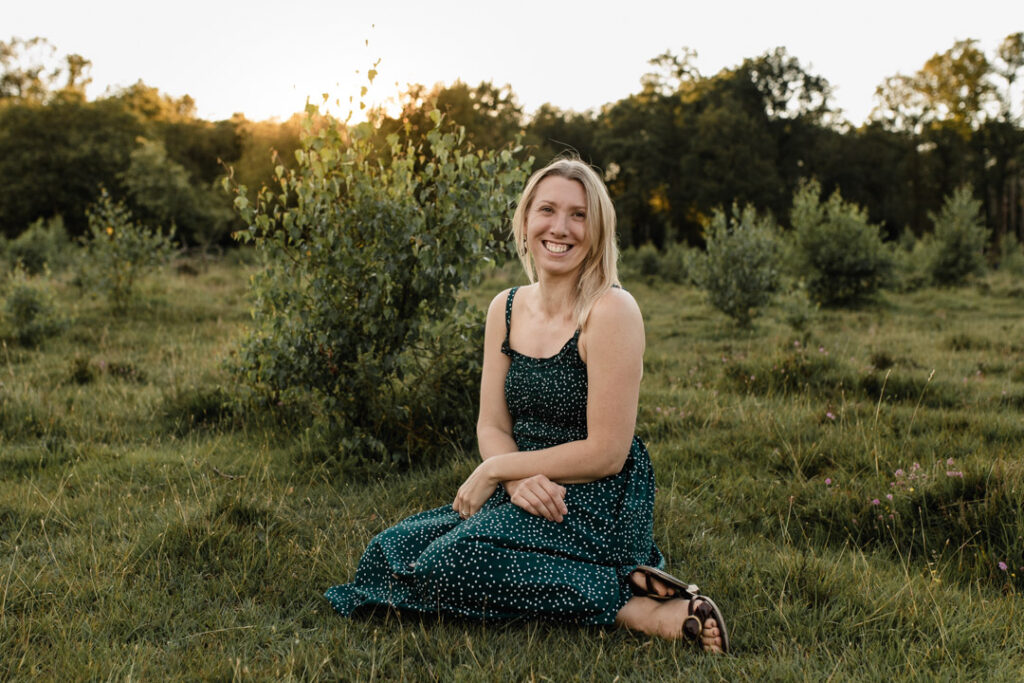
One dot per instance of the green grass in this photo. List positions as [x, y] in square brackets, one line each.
[149, 530]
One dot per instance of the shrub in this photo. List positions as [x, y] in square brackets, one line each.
[119, 251]
[799, 312]
[836, 251]
[367, 247]
[740, 268]
[29, 312]
[676, 262]
[910, 259]
[960, 237]
[642, 262]
[163, 193]
[44, 244]
[1011, 256]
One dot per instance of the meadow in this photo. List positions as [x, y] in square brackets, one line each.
[848, 487]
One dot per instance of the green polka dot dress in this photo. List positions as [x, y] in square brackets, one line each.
[504, 562]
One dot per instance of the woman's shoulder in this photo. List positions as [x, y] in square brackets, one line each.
[497, 307]
[615, 305]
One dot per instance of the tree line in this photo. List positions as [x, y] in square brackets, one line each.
[672, 153]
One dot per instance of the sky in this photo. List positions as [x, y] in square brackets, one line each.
[264, 59]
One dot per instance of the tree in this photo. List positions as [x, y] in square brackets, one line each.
[490, 115]
[163, 194]
[785, 89]
[54, 156]
[1011, 60]
[953, 86]
[30, 72]
[956, 84]
[552, 131]
[836, 252]
[960, 237]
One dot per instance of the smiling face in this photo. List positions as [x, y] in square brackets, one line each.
[556, 226]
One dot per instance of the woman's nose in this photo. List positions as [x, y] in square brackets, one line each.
[559, 224]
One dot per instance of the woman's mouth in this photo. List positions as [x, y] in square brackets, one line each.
[556, 247]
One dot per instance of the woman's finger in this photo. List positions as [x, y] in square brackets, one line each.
[528, 500]
[557, 494]
[543, 500]
[554, 495]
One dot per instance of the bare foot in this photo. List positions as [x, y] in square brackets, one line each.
[666, 618]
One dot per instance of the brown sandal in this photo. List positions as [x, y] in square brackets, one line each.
[697, 615]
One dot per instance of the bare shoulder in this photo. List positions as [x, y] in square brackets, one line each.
[616, 307]
[498, 302]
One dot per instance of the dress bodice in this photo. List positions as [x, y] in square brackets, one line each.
[546, 397]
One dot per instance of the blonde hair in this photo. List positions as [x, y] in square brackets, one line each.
[599, 270]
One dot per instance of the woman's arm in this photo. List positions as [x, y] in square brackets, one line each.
[614, 348]
[494, 424]
[535, 494]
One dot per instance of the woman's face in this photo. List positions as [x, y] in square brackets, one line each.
[556, 226]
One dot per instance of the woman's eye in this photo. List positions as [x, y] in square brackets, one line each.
[580, 214]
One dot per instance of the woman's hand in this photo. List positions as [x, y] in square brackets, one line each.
[540, 496]
[475, 491]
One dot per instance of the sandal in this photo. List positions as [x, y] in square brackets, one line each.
[697, 615]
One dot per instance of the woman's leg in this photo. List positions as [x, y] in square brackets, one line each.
[664, 618]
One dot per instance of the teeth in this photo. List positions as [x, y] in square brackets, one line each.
[556, 248]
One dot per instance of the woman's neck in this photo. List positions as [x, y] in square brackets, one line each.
[556, 295]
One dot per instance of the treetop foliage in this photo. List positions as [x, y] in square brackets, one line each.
[682, 145]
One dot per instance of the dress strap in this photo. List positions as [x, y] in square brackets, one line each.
[508, 311]
[505, 348]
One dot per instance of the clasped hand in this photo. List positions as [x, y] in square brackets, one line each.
[538, 495]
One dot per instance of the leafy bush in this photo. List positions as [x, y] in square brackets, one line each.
[44, 244]
[799, 312]
[910, 259]
[836, 251]
[30, 314]
[642, 262]
[960, 237]
[1011, 256]
[740, 268]
[672, 264]
[677, 262]
[358, 316]
[119, 251]
[163, 193]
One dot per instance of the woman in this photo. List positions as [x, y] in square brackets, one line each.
[556, 521]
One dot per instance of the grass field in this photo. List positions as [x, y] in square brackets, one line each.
[846, 493]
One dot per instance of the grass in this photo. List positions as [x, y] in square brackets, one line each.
[148, 530]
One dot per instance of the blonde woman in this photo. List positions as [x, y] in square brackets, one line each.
[556, 521]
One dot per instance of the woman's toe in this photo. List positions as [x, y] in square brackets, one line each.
[711, 636]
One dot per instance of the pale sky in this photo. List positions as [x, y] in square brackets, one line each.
[264, 58]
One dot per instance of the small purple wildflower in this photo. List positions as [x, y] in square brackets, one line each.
[828, 481]
[1002, 566]
[889, 496]
[830, 415]
[955, 474]
[949, 461]
[876, 502]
